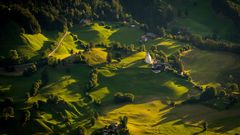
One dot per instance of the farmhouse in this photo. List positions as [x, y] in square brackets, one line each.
[147, 36]
[85, 21]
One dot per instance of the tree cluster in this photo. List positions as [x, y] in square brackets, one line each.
[30, 70]
[207, 43]
[229, 8]
[7, 107]
[93, 79]
[114, 128]
[33, 15]
[35, 88]
[123, 97]
[153, 13]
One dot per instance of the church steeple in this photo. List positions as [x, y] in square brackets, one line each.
[148, 58]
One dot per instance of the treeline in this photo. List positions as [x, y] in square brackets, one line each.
[229, 8]
[154, 13]
[207, 43]
[23, 17]
[56, 14]
[222, 98]
[32, 15]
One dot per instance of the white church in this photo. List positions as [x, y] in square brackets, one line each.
[157, 65]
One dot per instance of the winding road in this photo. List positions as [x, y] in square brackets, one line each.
[20, 68]
[59, 44]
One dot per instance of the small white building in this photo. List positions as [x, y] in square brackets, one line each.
[133, 26]
[148, 58]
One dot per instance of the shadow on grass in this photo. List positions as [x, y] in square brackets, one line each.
[194, 115]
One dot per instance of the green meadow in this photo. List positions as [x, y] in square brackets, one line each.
[100, 34]
[212, 66]
[150, 113]
[203, 20]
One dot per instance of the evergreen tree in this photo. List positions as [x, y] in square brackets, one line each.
[132, 47]
[143, 48]
[162, 32]
[93, 79]
[25, 117]
[109, 57]
[35, 87]
[209, 93]
[81, 130]
[8, 112]
[205, 126]
[123, 121]
[13, 57]
[92, 121]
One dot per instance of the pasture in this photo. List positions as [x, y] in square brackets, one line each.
[212, 66]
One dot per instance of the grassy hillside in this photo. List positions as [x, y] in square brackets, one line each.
[127, 35]
[169, 46]
[28, 45]
[143, 83]
[34, 46]
[202, 19]
[92, 33]
[77, 90]
[96, 56]
[16, 87]
[208, 66]
[153, 92]
[67, 45]
[150, 112]
[100, 34]
[67, 83]
[154, 117]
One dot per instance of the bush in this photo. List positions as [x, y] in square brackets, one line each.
[13, 57]
[222, 93]
[97, 102]
[208, 94]
[53, 99]
[172, 104]
[8, 112]
[35, 87]
[234, 87]
[205, 126]
[52, 61]
[109, 57]
[25, 117]
[30, 70]
[93, 79]
[81, 130]
[80, 58]
[35, 105]
[123, 97]
[192, 100]
[92, 121]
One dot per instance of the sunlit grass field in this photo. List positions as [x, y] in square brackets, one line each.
[150, 112]
[127, 35]
[99, 34]
[93, 33]
[155, 117]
